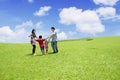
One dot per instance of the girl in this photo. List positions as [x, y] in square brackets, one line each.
[46, 45]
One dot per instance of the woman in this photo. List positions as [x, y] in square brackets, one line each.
[33, 41]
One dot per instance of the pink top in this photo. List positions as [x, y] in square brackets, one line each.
[46, 44]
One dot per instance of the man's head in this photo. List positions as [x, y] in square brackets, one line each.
[40, 36]
[52, 29]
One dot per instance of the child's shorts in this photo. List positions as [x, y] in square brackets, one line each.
[42, 48]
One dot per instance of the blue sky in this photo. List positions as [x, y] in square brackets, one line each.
[72, 18]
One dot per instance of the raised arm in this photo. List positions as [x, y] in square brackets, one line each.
[50, 36]
[30, 35]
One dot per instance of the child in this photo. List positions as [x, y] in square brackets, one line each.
[46, 45]
[40, 40]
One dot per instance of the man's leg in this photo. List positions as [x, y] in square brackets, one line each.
[52, 44]
[56, 48]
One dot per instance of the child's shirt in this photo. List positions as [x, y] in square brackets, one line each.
[41, 42]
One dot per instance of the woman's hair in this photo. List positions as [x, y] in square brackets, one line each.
[33, 31]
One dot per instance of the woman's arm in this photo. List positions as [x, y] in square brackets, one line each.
[30, 35]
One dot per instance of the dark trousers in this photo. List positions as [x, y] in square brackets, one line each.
[54, 46]
[34, 48]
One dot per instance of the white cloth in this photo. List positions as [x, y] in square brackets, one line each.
[53, 37]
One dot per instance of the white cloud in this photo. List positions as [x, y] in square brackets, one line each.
[27, 24]
[70, 15]
[30, 1]
[19, 33]
[72, 33]
[42, 11]
[62, 36]
[116, 18]
[9, 35]
[6, 31]
[106, 12]
[85, 21]
[38, 25]
[106, 2]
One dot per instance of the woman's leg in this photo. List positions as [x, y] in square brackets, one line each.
[34, 48]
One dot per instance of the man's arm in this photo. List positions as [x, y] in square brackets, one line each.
[52, 35]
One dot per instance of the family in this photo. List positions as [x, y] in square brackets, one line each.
[43, 43]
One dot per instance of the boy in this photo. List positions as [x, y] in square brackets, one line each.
[40, 40]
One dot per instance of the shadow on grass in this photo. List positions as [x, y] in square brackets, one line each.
[33, 55]
[39, 55]
[51, 53]
[94, 48]
[29, 54]
[89, 39]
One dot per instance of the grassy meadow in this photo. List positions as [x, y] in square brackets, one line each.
[81, 59]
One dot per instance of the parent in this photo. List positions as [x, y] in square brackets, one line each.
[53, 36]
[33, 41]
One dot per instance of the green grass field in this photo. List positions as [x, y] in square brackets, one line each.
[97, 59]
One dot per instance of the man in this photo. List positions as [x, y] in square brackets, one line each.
[53, 36]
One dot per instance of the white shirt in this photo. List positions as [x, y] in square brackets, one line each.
[53, 36]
